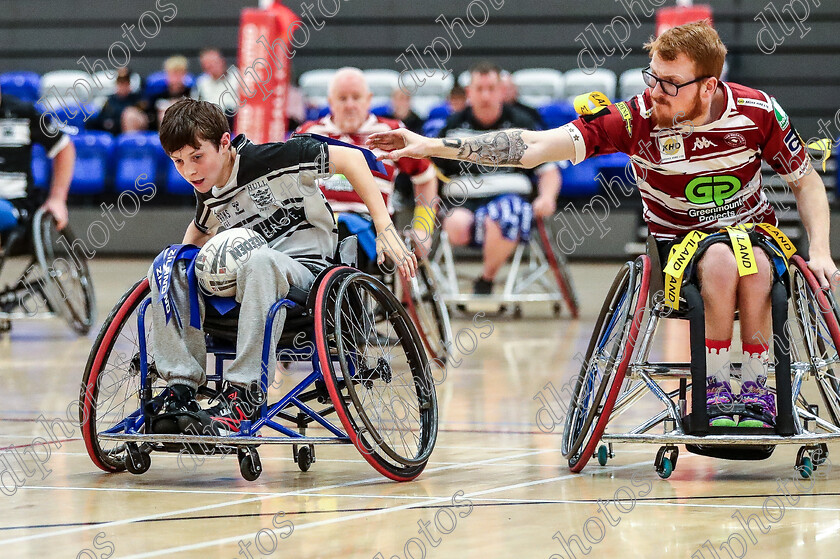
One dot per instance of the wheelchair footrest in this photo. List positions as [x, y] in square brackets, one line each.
[140, 438]
[691, 427]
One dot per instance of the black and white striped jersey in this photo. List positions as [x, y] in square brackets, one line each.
[21, 125]
[273, 191]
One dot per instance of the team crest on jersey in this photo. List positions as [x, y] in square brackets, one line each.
[703, 143]
[260, 193]
[671, 148]
[734, 139]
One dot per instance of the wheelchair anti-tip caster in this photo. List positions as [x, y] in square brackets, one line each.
[809, 458]
[666, 461]
[137, 460]
[605, 452]
[556, 309]
[249, 463]
[304, 456]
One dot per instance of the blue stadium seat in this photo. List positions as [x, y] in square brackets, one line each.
[23, 85]
[580, 180]
[175, 183]
[156, 83]
[93, 154]
[441, 111]
[615, 166]
[135, 154]
[381, 110]
[41, 167]
[433, 126]
[557, 114]
[324, 111]
[312, 112]
[71, 117]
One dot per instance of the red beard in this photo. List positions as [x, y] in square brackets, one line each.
[673, 121]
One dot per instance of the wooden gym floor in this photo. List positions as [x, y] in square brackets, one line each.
[496, 485]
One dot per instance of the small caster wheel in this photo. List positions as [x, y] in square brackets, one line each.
[5, 326]
[556, 309]
[665, 468]
[137, 461]
[603, 455]
[666, 461]
[249, 463]
[305, 457]
[805, 467]
[517, 311]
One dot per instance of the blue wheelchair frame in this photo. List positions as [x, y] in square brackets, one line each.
[133, 423]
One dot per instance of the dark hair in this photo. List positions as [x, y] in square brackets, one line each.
[485, 67]
[457, 91]
[188, 122]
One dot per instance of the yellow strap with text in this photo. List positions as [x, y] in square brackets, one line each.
[824, 146]
[592, 102]
[780, 238]
[678, 260]
[743, 249]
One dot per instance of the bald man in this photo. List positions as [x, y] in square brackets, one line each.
[351, 121]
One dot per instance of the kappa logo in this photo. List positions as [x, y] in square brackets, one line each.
[703, 143]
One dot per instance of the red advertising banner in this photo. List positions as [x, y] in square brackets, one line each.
[265, 70]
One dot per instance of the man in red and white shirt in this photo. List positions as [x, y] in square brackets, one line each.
[351, 121]
[696, 145]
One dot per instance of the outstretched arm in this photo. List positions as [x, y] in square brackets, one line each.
[503, 148]
[351, 163]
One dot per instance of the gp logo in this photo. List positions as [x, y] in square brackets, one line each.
[703, 190]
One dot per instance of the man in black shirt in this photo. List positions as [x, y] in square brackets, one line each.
[21, 125]
[492, 210]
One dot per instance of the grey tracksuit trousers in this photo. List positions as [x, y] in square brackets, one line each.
[180, 352]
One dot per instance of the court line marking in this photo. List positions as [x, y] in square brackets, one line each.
[430, 501]
[379, 479]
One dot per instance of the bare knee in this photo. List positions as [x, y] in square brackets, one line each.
[718, 271]
[759, 283]
[458, 226]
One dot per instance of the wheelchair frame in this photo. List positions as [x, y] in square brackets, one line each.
[589, 414]
[542, 276]
[46, 281]
[328, 388]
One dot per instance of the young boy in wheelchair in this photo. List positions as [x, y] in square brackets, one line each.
[696, 145]
[269, 189]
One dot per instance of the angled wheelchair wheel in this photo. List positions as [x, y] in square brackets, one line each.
[429, 312]
[610, 349]
[376, 372]
[68, 286]
[560, 268]
[818, 338]
[110, 390]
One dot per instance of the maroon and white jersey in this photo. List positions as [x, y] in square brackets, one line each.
[706, 177]
[338, 189]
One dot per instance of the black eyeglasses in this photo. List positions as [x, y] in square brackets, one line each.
[669, 88]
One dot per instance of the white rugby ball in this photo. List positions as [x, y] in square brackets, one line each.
[220, 258]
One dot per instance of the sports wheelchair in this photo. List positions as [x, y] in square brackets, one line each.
[540, 275]
[617, 373]
[369, 369]
[55, 282]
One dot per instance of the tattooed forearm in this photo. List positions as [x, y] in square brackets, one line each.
[505, 147]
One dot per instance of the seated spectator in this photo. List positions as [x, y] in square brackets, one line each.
[176, 73]
[401, 110]
[211, 85]
[457, 99]
[122, 111]
[295, 108]
[512, 98]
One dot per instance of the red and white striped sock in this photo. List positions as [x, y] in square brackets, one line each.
[755, 363]
[717, 359]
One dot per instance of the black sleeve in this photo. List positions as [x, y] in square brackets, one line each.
[312, 154]
[205, 220]
[43, 129]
